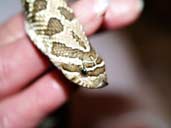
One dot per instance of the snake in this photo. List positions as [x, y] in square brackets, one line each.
[53, 28]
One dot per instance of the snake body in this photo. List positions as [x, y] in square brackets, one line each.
[54, 30]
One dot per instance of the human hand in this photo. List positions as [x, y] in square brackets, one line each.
[29, 88]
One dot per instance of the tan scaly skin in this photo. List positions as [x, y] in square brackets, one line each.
[52, 27]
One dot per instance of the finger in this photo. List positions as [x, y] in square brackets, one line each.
[12, 30]
[118, 14]
[20, 63]
[25, 110]
[88, 16]
[122, 12]
[30, 57]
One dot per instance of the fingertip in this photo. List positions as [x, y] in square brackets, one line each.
[122, 13]
[86, 12]
[12, 30]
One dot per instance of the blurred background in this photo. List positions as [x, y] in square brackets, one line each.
[138, 66]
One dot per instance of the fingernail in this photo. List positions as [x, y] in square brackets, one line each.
[101, 6]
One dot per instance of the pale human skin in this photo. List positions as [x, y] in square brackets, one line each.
[28, 89]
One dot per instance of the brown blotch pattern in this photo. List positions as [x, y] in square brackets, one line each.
[97, 71]
[71, 67]
[89, 65]
[66, 13]
[32, 19]
[39, 5]
[26, 7]
[54, 26]
[60, 49]
[90, 56]
[99, 60]
[78, 39]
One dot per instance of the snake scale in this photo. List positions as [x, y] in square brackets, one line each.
[54, 30]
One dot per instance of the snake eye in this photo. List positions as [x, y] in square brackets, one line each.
[84, 72]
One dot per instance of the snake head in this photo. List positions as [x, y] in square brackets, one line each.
[88, 74]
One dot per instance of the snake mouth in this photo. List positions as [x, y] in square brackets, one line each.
[104, 84]
[90, 82]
